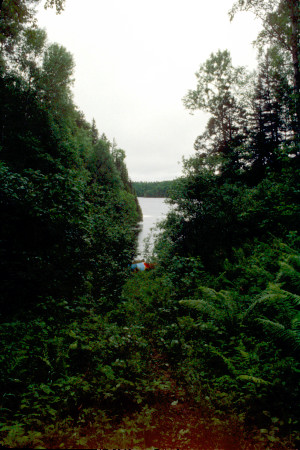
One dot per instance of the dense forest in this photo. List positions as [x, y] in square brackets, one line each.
[158, 189]
[202, 352]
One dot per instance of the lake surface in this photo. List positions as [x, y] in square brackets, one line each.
[154, 210]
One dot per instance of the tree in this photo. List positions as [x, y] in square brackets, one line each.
[101, 166]
[119, 156]
[281, 27]
[95, 133]
[268, 122]
[15, 17]
[28, 55]
[218, 93]
[57, 74]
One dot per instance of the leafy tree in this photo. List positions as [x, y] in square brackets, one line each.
[16, 17]
[56, 75]
[218, 92]
[27, 140]
[29, 54]
[101, 166]
[13, 16]
[204, 210]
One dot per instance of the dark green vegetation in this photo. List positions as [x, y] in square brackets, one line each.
[202, 352]
[152, 188]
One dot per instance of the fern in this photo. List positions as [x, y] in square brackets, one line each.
[226, 360]
[255, 380]
[278, 298]
[204, 307]
[280, 332]
[289, 274]
[219, 306]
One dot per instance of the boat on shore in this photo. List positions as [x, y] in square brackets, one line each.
[141, 265]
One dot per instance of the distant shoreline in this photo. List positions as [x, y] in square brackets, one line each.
[152, 189]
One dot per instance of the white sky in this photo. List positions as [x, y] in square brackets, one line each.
[136, 60]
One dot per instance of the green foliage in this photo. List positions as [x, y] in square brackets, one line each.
[101, 166]
[67, 235]
[67, 217]
[13, 17]
[253, 342]
[59, 5]
[219, 91]
[202, 351]
[65, 355]
[281, 27]
[56, 76]
[211, 215]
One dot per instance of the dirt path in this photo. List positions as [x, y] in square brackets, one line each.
[178, 422]
[170, 420]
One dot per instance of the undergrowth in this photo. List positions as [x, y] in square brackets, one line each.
[158, 370]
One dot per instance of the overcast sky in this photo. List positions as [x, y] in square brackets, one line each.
[136, 60]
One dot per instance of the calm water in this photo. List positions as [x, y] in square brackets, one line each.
[154, 209]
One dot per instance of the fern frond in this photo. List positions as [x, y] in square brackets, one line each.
[217, 297]
[295, 260]
[287, 271]
[241, 349]
[220, 306]
[296, 323]
[203, 306]
[226, 360]
[277, 297]
[291, 252]
[275, 293]
[255, 380]
[208, 293]
[278, 331]
[206, 327]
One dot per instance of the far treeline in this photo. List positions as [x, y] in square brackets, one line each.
[203, 351]
[152, 188]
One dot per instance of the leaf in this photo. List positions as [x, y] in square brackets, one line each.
[108, 371]
[255, 380]
[272, 438]
[46, 389]
[73, 346]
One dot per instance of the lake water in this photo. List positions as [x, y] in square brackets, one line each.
[154, 210]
